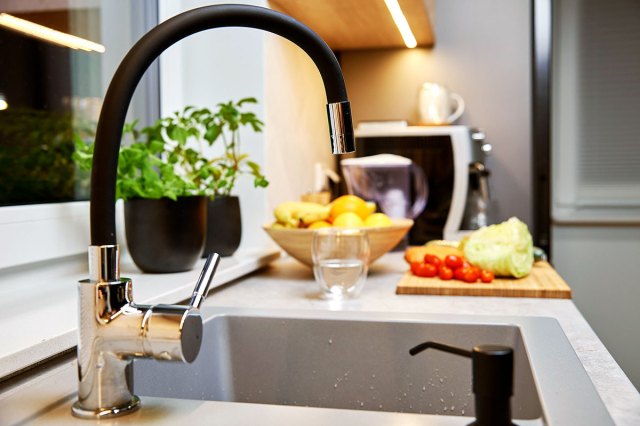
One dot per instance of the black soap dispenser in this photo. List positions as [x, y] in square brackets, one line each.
[492, 368]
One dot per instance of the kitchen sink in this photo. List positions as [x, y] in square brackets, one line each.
[361, 361]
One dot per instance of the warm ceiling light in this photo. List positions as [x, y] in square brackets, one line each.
[3, 103]
[48, 34]
[401, 23]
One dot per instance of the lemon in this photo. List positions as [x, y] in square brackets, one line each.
[371, 207]
[350, 204]
[348, 220]
[378, 220]
[319, 224]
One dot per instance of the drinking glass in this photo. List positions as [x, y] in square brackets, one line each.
[340, 261]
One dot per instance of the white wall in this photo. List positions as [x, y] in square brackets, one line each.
[297, 119]
[483, 53]
[600, 265]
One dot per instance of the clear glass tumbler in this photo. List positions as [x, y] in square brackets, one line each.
[340, 261]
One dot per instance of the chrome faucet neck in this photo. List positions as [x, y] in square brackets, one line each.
[104, 263]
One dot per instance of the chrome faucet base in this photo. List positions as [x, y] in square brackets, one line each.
[106, 413]
[113, 330]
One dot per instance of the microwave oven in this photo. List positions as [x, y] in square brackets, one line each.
[444, 153]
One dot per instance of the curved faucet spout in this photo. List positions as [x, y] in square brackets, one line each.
[145, 51]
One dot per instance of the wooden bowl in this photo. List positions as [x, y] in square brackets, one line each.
[297, 242]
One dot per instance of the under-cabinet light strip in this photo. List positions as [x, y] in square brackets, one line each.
[401, 23]
[48, 34]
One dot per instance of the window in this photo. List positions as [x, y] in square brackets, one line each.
[596, 150]
[51, 94]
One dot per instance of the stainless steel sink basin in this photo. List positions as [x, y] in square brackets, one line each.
[360, 361]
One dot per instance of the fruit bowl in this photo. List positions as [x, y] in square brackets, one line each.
[297, 242]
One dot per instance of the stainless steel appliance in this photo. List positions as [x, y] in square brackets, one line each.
[444, 153]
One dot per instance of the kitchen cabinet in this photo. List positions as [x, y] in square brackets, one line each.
[358, 24]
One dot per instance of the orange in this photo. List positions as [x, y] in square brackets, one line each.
[348, 220]
[352, 204]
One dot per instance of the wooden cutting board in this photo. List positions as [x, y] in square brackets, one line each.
[543, 282]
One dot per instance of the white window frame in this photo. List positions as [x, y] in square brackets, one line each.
[41, 232]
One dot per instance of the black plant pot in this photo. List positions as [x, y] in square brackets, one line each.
[165, 235]
[224, 226]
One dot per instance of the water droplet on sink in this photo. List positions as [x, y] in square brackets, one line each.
[453, 407]
[331, 341]
[362, 404]
[442, 400]
[441, 380]
[462, 412]
[371, 388]
[451, 393]
[445, 408]
[373, 376]
[335, 386]
[380, 406]
[424, 388]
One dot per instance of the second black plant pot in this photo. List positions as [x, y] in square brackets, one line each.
[224, 226]
[165, 235]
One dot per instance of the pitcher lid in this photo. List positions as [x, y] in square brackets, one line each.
[377, 160]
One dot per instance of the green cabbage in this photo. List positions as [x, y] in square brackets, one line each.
[506, 248]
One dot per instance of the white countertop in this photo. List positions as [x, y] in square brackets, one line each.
[38, 303]
[288, 285]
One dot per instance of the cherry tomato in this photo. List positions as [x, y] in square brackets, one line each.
[486, 276]
[466, 264]
[424, 270]
[445, 273]
[458, 274]
[432, 259]
[470, 275]
[414, 267]
[453, 261]
[476, 270]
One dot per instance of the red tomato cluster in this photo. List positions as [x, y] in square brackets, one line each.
[451, 267]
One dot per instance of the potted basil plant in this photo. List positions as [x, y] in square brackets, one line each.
[216, 177]
[165, 213]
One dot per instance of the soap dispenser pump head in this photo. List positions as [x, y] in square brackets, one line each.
[492, 369]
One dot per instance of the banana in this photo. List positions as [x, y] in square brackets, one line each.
[291, 213]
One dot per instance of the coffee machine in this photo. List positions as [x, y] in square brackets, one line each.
[445, 154]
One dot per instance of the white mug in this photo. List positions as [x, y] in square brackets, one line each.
[436, 104]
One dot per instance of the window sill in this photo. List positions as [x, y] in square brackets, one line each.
[38, 304]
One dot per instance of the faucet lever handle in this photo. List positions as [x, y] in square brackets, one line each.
[206, 276]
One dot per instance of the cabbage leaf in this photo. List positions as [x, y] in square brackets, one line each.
[505, 248]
